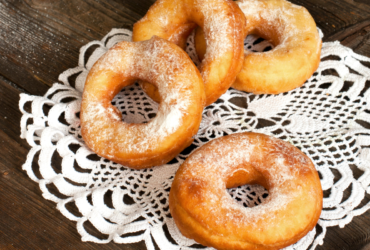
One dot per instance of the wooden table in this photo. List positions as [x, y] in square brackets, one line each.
[39, 39]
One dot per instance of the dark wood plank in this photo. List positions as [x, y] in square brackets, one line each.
[10, 114]
[356, 36]
[27, 220]
[40, 39]
[332, 16]
[344, 20]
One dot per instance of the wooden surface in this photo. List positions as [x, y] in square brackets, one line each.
[39, 39]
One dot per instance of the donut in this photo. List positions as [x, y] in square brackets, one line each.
[204, 211]
[296, 53]
[223, 23]
[156, 142]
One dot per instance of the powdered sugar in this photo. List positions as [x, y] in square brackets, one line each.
[223, 24]
[153, 61]
[222, 159]
[221, 33]
[199, 189]
[264, 212]
[213, 164]
[217, 25]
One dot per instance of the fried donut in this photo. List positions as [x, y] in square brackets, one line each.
[180, 85]
[223, 23]
[204, 211]
[296, 56]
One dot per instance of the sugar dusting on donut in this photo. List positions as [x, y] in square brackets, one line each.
[144, 61]
[221, 158]
[224, 33]
[223, 23]
[204, 211]
[219, 162]
[216, 26]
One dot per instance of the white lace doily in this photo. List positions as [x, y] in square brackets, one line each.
[324, 118]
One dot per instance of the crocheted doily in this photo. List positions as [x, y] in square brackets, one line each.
[324, 118]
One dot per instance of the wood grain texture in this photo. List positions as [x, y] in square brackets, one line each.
[27, 220]
[346, 21]
[39, 39]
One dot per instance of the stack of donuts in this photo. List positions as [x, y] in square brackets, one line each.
[199, 203]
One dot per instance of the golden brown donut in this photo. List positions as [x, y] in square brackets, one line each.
[224, 25]
[204, 211]
[180, 85]
[296, 56]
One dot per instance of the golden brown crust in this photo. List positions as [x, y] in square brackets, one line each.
[178, 118]
[205, 212]
[296, 56]
[224, 24]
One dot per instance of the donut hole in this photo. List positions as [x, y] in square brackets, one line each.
[134, 105]
[257, 43]
[263, 37]
[249, 195]
[247, 188]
